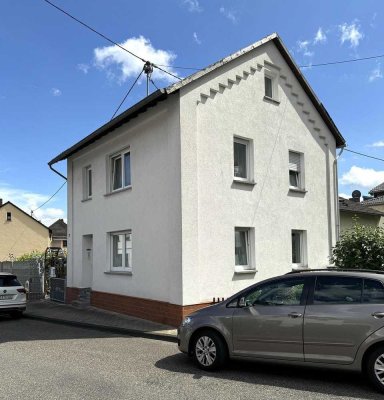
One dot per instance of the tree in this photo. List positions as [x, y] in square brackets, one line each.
[33, 255]
[361, 247]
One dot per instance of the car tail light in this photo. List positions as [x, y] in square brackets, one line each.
[22, 290]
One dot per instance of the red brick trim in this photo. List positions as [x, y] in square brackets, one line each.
[152, 310]
[71, 294]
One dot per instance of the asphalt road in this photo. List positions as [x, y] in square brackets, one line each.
[40, 360]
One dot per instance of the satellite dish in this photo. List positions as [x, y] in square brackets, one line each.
[356, 194]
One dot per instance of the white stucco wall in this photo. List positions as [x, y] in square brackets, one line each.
[151, 208]
[183, 205]
[212, 205]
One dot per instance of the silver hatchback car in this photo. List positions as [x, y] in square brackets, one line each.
[328, 318]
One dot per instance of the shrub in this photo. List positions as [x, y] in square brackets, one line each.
[361, 247]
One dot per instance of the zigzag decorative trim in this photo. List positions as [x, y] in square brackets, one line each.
[223, 86]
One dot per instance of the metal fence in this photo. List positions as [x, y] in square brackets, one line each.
[30, 274]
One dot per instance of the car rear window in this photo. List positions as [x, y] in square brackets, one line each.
[373, 292]
[337, 290]
[7, 281]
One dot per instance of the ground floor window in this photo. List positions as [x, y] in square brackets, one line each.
[121, 251]
[299, 248]
[243, 249]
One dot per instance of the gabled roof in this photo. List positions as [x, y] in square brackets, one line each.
[357, 208]
[377, 189]
[162, 94]
[59, 228]
[18, 208]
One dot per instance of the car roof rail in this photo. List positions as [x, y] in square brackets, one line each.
[335, 269]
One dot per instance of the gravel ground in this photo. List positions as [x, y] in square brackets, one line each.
[40, 360]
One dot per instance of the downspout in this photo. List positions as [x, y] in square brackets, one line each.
[336, 191]
[56, 172]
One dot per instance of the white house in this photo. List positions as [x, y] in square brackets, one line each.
[203, 188]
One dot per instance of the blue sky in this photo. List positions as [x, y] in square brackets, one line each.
[59, 81]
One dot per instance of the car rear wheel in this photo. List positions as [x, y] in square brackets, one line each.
[375, 368]
[209, 350]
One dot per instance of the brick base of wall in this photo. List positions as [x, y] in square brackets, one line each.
[152, 310]
[71, 294]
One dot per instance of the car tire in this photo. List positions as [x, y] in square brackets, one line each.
[375, 369]
[16, 314]
[209, 350]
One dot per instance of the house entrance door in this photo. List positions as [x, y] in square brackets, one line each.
[87, 276]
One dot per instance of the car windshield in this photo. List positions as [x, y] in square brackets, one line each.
[7, 281]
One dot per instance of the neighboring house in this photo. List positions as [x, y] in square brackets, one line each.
[203, 188]
[59, 234]
[377, 201]
[353, 211]
[20, 233]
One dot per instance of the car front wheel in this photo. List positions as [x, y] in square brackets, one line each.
[209, 350]
[375, 368]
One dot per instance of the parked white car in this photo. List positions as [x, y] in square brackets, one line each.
[13, 299]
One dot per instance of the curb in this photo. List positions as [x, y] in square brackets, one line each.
[105, 328]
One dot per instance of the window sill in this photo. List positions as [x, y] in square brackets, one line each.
[298, 267]
[244, 182]
[85, 200]
[272, 100]
[118, 272]
[240, 270]
[297, 190]
[118, 191]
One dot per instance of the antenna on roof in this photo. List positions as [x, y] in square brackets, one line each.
[148, 69]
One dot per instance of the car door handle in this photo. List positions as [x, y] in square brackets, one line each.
[296, 315]
[378, 314]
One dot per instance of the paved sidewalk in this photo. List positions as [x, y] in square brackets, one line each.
[91, 317]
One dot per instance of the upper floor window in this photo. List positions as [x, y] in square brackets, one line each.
[268, 86]
[242, 159]
[271, 85]
[296, 179]
[9, 216]
[120, 170]
[87, 179]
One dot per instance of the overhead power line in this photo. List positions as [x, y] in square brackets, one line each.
[364, 155]
[107, 38]
[54, 194]
[342, 61]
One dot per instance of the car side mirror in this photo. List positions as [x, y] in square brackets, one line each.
[242, 302]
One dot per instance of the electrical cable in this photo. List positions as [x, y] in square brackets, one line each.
[54, 194]
[153, 83]
[106, 38]
[129, 91]
[364, 155]
[342, 62]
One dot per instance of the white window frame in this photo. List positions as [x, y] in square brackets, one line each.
[274, 84]
[300, 171]
[123, 267]
[248, 159]
[120, 154]
[87, 184]
[249, 239]
[303, 249]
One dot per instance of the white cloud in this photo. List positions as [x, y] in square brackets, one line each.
[303, 47]
[28, 201]
[229, 14]
[380, 143]
[120, 65]
[376, 74]
[83, 68]
[195, 37]
[351, 33]
[193, 5]
[364, 177]
[320, 36]
[55, 92]
[344, 196]
[373, 20]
